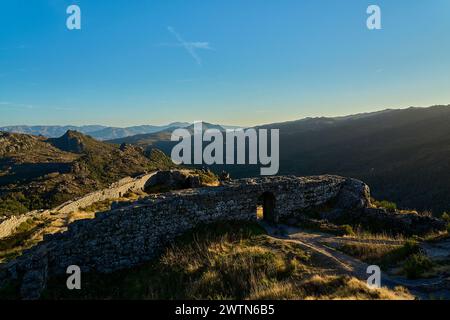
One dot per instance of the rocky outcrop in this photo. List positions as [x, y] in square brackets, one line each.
[386, 221]
[354, 195]
[177, 179]
[71, 141]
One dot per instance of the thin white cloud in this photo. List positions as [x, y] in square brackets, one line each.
[18, 105]
[185, 80]
[13, 105]
[64, 109]
[18, 47]
[190, 47]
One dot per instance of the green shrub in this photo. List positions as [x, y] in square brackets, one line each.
[19, 237]
[385, 204]
[348, 230]
[416, 265]
[446, 217]
[206, 176]
[99, 206]
[410, 247]
[10, 207]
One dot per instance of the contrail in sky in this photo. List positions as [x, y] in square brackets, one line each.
[190, 46]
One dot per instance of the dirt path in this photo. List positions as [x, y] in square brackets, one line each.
[326, 244]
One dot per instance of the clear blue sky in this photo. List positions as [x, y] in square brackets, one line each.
[261, 60]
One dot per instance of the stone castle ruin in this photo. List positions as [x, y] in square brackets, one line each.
[136, 233]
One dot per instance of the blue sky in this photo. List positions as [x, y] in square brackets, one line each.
[261, 61]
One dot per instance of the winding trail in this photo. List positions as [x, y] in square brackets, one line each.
[326, 246]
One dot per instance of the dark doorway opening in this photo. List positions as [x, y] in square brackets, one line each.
[266, 209]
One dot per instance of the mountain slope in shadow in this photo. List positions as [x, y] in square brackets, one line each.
[404, 155]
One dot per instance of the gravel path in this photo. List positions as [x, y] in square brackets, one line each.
[326, 244]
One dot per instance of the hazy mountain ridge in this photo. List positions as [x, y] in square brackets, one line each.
[98, 132]
[51, 131]
[161, 139]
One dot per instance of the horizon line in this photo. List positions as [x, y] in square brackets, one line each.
[231, 125]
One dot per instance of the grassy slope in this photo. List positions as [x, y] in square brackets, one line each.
[224, 261]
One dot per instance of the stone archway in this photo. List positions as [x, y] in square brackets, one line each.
[267, 204]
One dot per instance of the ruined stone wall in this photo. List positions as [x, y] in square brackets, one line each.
[128, 236]
[131, 235]
[114, 191]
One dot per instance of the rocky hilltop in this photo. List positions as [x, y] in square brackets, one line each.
[40, 173]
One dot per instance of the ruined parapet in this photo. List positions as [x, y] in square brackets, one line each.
[115, 190]
[135, 234]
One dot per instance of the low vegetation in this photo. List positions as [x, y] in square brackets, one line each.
[361, 233]
[225, 261]
[384, 255]
[446, 217]
[417, 265]
[99, 206]
[384, 204]
[408, 257]
[324, 226]
[207, 177]
[22, 238]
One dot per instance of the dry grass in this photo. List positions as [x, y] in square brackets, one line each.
[362, 234]
[99, 206]
[384, 255]
[226, 261]
[369, 252]
[329, 288]
[22, 238]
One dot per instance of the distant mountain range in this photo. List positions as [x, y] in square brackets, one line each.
[161, 139]
[50, 131]
[98, 132]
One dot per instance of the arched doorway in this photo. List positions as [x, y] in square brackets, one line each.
[266, 209]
